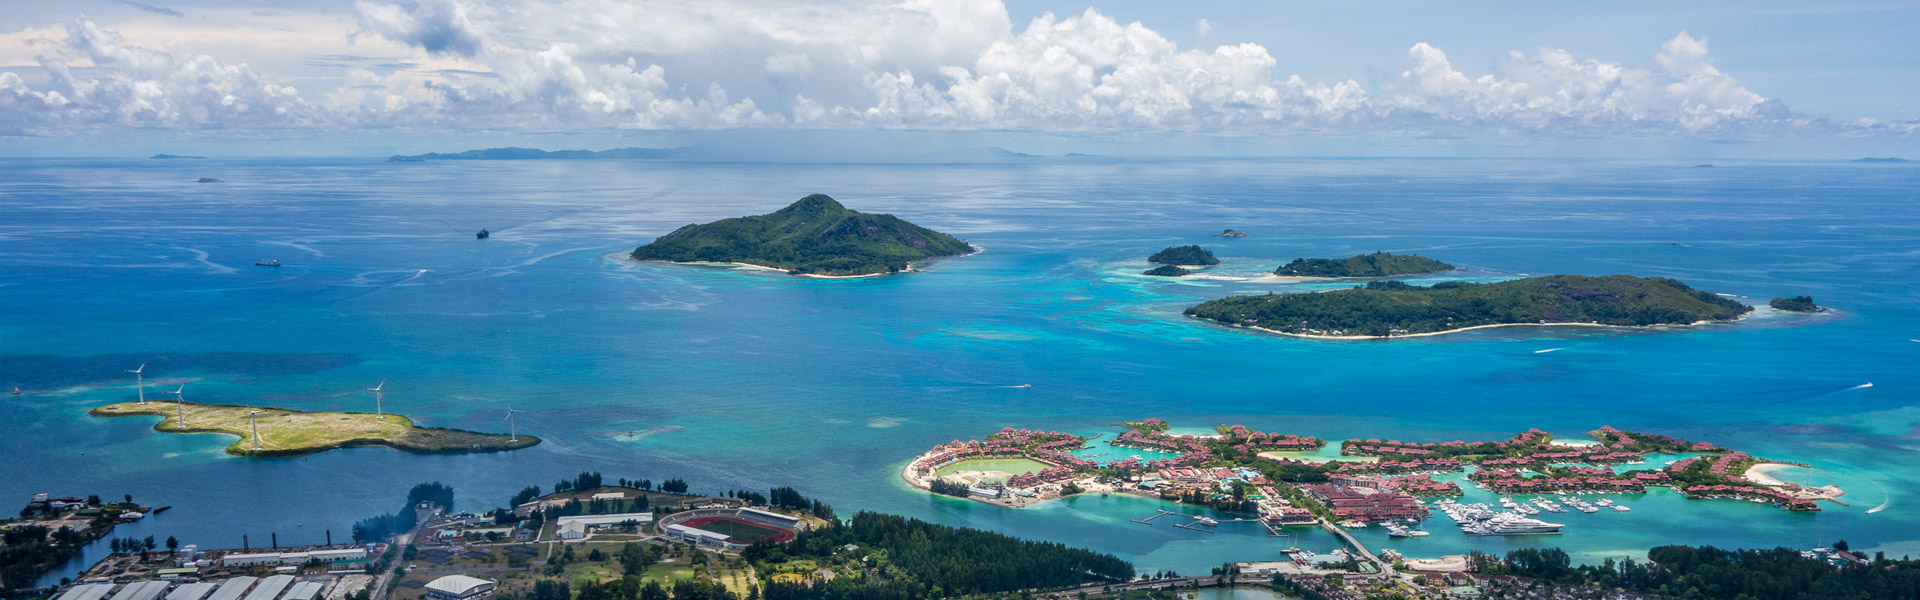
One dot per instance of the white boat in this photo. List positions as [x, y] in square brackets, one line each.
[1205, 521]
[1621, 507]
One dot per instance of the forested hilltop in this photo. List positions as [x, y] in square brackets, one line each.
[1378, 264]
[815, 236]
[1388, 308]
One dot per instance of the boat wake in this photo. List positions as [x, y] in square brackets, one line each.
[1547, 350]
[1862, 386]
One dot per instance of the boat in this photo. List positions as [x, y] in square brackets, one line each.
[483, 234]
[1418, 533]
[16, 390]
[1621, 508]
[1205, 521]
[267, 263]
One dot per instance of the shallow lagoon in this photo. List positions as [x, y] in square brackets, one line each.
[736, 378]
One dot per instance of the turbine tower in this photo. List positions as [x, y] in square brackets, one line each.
[253, 418]
[180, 403]
[139, 382]
[377, 413]
[512, 434]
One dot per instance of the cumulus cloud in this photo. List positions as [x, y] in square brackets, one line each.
[912, 64]
[139, 87]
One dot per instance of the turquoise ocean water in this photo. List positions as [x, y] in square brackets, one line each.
[733, 378]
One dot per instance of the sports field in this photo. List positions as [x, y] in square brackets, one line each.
[740, 531]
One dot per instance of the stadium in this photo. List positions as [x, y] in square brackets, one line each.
[729, 528]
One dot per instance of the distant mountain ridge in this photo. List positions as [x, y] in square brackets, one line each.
[1888, 159]
[511, 153]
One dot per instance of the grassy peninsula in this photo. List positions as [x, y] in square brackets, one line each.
[814, 236]
[1378, 264]
[1392, 308]
[292, 432]
[1184, 256]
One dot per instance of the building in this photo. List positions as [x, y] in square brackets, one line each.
[91, 591]
[270, 588]
[305, 590]
[576, 527]
[770, 518]
[191, 591]
[144, 590]
[324, 555]
[571, 531]
[610, 496]
[232, 589]
[698, 536]
[459, 587]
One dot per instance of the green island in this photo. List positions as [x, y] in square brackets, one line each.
[815, 236]
[1184, 256]
[1378, 264]
[1393, 308]
[1799, 304]
[285, 432]
[1167, 271]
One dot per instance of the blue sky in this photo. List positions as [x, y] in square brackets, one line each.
[1772, 79]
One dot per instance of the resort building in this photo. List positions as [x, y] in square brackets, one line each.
[459, 587]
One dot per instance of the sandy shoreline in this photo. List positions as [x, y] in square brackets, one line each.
[1764, 474]
[709, 263]
[1489, 326]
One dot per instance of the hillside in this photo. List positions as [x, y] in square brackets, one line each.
[1384, 308]
[814, 236]
[1378, 264]
[1184, 256]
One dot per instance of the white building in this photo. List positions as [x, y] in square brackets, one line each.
[697, 536]
[610, 496]
[270, 588]
[459, 587]
[325, 555]
[770, 518]
[576, 527]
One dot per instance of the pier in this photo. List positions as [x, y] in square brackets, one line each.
[1355, 544]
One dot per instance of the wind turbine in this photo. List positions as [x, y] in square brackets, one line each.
[139, 382]
[377, 414]
[180, 403]
[253, 417]
[512, 435]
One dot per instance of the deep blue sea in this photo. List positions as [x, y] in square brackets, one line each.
[737, 378]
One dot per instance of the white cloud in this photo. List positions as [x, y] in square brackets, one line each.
[918, 64]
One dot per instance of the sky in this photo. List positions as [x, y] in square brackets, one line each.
[331, 77]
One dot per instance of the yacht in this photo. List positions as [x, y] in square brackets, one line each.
[1205, 521]
[1621, 508]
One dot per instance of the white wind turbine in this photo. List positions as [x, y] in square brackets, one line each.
[180, 403]
[253, 417]
[512, 434]
[139, 381]
[377, 413]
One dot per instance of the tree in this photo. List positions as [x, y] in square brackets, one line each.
[172, 544]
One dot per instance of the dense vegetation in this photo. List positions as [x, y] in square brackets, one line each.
[27, 551]
[814, 236]
[948, 487]
[374, 529]
[1795, 304]
[1708, 572]
[1378, 264]
[910, 558]
[1384, 308]
[1167, 271]
[1184, 255]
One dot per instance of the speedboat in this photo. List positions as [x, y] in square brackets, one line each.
[483, 234]
[267, 263]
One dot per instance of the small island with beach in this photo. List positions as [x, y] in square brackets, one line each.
[1396, 309]
[1184, 256]
[1378, 264]
[1799, 304]
[815, 236]
[285, 432]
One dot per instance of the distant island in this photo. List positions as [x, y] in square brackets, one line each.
[1378, 264]
[1801, 304]
[1184, 256]
[1887, 159]
[1167, 271]
[285, 432]
[538, 154]
[1231, 233]
[814, 236]
[171, 156]
[1393, 308]
[208, 180]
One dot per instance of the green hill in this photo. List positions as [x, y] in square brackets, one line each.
[1378, 264]
[1385, 308]
[1184, 255]
[1795, 304]
[1167, 271]
[814, 236]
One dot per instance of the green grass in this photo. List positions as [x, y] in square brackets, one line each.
[286, 432]
[740, 532]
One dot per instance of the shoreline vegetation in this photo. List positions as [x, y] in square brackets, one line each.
[1384, 309]
[813, 237]
[1184, 256]
[1378, 264]
[286, 432]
